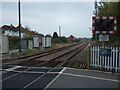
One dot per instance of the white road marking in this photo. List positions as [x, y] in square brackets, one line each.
[34, 80]
[10, 69]
[9, 77]
[92, 70]
[55, 78]
[63, 70]
[84, 76]
[32, 72]
[3, 72]
[19, 72]
[52, 72]
[13, 68]
[40, 77]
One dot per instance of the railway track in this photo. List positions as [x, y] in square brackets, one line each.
[34, 56]
[73, 62]
[78, 61]
[50, 58]
[53, 64]
[64, 59]
[60, 60]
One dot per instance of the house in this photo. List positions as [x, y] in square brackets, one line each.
[10, 31]
[27, 36]
[71, 39]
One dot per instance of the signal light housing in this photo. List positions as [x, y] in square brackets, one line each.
[104, 25]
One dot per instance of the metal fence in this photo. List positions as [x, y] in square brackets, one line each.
[108, 60]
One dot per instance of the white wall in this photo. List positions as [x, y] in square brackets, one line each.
[46, 41]
[35, 42]
[4, 44]
[43, 42]
[12, 33]
[30, 45]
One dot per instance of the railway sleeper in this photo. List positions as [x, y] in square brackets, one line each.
[50, 64]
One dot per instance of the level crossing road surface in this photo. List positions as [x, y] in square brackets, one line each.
[21, 77]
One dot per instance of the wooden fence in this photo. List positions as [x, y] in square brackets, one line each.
[108, 61]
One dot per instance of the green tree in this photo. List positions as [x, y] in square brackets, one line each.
[57, 39]
[13, 43]
[111, 9]
[28, 34]
[63, 39]
[55, 35]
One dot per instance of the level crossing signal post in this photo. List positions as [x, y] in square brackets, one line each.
[104, 26]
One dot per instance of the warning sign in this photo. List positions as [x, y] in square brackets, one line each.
[40, 40]
[103, 37]
[105, 52]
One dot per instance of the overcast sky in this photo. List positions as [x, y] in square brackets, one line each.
[45, 17]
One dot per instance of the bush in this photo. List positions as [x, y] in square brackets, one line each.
[13, 43]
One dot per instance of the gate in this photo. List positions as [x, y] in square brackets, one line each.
[105, 58]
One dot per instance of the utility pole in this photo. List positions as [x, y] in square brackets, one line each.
[96, 14]
[19, 27]
[96, 7]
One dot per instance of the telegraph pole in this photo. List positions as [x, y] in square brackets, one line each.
[96, 14]
[19, 26]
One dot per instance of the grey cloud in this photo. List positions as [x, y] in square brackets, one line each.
[74, 18]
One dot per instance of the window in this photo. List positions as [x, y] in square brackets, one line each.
[3, 32]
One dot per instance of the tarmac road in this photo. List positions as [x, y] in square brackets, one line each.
[37, 77]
